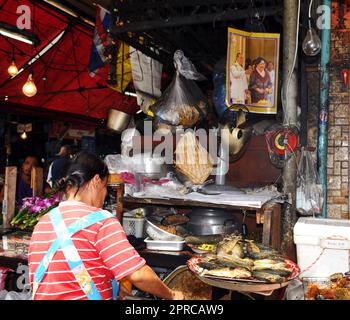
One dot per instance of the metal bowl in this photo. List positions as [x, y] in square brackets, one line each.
[118, 120]
[159, 234]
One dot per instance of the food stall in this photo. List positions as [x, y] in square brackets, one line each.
[214, 173]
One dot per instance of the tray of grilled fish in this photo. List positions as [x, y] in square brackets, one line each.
[244, 261]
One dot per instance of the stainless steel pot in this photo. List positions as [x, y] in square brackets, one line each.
[151, 167]
[205, 221]
[118, 120]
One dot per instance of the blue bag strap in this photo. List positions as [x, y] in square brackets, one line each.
[115, 289]
[64, 239]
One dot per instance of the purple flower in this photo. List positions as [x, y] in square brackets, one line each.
[37, 204]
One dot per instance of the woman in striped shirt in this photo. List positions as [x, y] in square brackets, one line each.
[79, 251]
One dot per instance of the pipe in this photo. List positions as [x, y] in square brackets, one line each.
[290, 95]
[222, 166]
[303, 80]
[324, 103]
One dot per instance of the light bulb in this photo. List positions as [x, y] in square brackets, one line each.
[12, 69]
[23, 135]
[311, 43]
[29, 88]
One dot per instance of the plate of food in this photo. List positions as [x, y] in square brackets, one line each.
[243, 263]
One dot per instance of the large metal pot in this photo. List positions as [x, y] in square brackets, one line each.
[118, 120]
[205, 221]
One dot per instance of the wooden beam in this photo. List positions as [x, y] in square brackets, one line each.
[8, 207]
[37, 180]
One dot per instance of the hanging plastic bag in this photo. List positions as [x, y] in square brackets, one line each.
[183, 102]
[309, 189]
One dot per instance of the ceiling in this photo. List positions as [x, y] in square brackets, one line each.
[198, 27]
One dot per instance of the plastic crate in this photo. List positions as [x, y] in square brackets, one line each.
[134, 226]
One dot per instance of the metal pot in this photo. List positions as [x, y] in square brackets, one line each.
[211, 221]
[118, 120]
[151, 167]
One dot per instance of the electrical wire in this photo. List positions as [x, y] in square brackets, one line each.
[286, 121]
[310, 5]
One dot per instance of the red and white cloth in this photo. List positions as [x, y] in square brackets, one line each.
[103, 247]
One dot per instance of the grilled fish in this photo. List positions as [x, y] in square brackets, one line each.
[265, 255]
[237, 273]
[280, 268]
[230, 246]
[238, 262]
[266, 262]
[266, 275]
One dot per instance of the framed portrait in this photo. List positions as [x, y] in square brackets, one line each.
[252, 71]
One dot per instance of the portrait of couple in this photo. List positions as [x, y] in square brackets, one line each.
[252, 61]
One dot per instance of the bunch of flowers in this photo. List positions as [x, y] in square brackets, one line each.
[32, 209]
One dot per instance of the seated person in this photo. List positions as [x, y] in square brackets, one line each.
[23, 188]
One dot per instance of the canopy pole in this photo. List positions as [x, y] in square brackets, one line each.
[290, 95]
[324, 104]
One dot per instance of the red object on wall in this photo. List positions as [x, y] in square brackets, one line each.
[345, 76]
[280, 137]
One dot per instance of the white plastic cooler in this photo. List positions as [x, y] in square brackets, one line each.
[323, 246]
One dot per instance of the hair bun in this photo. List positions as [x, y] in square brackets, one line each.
[61, 184]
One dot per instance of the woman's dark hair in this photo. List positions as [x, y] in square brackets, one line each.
[258, 60]
[81, 169]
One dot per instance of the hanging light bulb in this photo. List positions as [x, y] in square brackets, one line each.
[29, 88]
[24, 135]
[312, 43]
[12, 69]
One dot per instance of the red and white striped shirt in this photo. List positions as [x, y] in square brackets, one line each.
[103, 248]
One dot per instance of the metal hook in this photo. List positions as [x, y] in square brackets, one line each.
[244, 215]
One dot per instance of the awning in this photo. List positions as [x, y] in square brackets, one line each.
[61, 74]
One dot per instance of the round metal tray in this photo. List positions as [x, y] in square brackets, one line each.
[263, 288]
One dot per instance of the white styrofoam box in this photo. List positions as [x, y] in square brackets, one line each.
[314, 235]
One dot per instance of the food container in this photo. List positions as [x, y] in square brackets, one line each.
[157, 233]
[310, 283]
[322, 246]
[164, 245]
[188, 283]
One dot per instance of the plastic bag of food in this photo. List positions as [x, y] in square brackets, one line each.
[192, 159]
[182, 103]
[309, 189]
